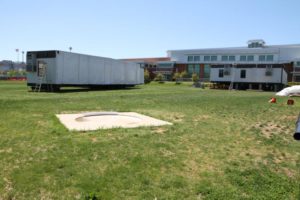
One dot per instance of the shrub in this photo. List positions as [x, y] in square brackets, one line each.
[184, 74]
[176, 76]
[195, 78]
[11, 73]
[293, 83]
[159, 77]
[146, 77]
[22, 72]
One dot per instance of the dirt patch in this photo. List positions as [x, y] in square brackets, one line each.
[166, 153]
[289, 173]
[8, 150]
[159, 130]
[42, 123]
[200, 118]
[270, 129]
[289, 118]
[8, 188]
[175, 117]
[94, 140]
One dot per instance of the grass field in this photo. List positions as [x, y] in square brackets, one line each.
[223, 145]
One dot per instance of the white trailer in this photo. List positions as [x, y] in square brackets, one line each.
[51, 70]
[241, 76]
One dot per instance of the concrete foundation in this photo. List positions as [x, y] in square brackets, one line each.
[107, 120]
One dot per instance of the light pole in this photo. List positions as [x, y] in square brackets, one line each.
[70, 48]
[22, 56]
[17, 50]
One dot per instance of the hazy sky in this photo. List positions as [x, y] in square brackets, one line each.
[143, 28]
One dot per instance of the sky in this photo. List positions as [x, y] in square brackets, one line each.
[143, 28]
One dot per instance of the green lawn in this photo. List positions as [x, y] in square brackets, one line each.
[223, 145]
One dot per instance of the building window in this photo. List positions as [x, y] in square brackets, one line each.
[268, 70]
[227, 69]
[214, 58]
[298, 63]
[231, 58]
[206, 71]
[196, 58]
[193, 69]
[262, 58]
[243, 58]
[243, 73]
[190, 69]
[190, 58]
[270, 57]
[221, 73]
[163, 65]
[206, 58]
[197, 69]
[250, 58]
[224, 58]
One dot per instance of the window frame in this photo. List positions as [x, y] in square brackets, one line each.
[243, 73]
[197, 60]
[190, 66]
[190, 60]
[206, 71]
[206, 56]
[243, 56]
[223, 58]
[214, 58]
[262, 56]
[268, 58]
[221, 73]
[250, 56]
[231, 57]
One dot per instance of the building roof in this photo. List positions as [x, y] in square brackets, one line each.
[240, 48]
[148, 60]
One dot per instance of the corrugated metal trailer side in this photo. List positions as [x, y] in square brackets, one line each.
[72, 69]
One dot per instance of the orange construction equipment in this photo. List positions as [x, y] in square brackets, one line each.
[272, 100]
[290, 102]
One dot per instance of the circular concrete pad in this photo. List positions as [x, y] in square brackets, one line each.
[106, 120]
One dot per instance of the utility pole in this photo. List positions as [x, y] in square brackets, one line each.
[17, 50]
[22, 56]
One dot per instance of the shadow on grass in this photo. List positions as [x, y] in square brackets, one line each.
[74, 90]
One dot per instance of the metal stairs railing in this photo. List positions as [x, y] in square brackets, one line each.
[41, 79]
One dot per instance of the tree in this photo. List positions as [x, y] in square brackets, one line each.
[147, 76]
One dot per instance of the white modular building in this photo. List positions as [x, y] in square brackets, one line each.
[256, 65]
[54, 69]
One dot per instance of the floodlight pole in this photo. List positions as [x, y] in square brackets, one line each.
[17, 50]
[22, 56]
[70, 48]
